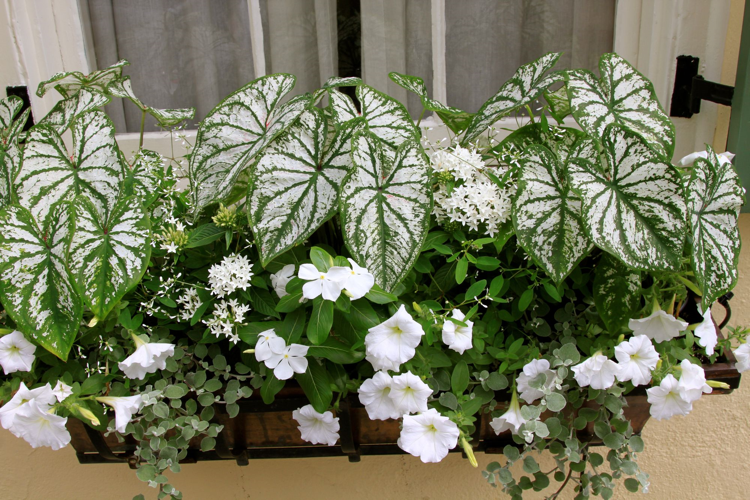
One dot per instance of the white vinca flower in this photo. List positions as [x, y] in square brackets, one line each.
[288, 362]
[692, 382]
[666, 401]
[40, 427]
[16, 353]
[510, 420]
[43, 396]
[742, 353]
[269, 344]
[457, 337]
[317, 428]
[280, 280]
[125, 408]
[429, 436]
[706, 332]
[358, 281]
[374, 394]
[659, 327]
[409, 393]
[327, 284]
[232, 273]
[62, 391]
[531, 371]
[147, 358]
[394, 340]
[597, 372]
[636, 358]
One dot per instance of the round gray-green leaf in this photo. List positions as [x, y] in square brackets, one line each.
[555, 402]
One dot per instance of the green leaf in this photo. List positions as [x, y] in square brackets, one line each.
[293, 326]
[108, 256]
[336, 351]
[547, 215]
[530, 465]
[165, 117]
[559, 103]
[555, 402]
[386, 119]
[715, 196]
[35, 288]
[617, 292]
[94, 384]
[477, 289]
[636, 443]
[385, 208]
[558, 140]
[64, 112]
[631, 485]
[525, 300]
[70, 83]
[271, 386]
[460, 378]
[321, 259]
[379, 296]
[317, 386]
[263, 302]
[462, 266]
[525, 86]
[235, 131]
[454, 118]
[622, 96]
[633, 205]
[321, 321]
[146, 472]
[614, 440]
[204, 234]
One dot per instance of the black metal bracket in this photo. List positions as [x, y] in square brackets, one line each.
[690, 89]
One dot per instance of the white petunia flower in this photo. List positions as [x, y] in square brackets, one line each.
[125, 408]
[510, 420]
[742, 353]
[725, 157]
[327, 284]
[281, 279]
[42, 395]
[532, 370]
[39, 427]
[706, 332]
[637, 359]
[358, 281]
[317, 428]
[147, 358]
[429, 436]
[598, 372]
[62, 390]
[660, 326]
[692, 382]
[16, 353]
[395, 339]
[290, 361]
[409, 393]
[269, 344]
[666, 401]
[374, 394]
[456, 337]
[232, 273]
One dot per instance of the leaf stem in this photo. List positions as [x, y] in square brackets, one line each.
[143, 126]
[421, 115]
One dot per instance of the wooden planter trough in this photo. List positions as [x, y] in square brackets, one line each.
[268, 431]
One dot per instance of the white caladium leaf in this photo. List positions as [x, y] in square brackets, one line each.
[294, 186]
[617, 292]
[10, 150]
[633, 203]
[9, 108]
[68, 84]
[386, 118]
[525, 86]
[146, 173]
[547, 215]
[108, 256]
[715, 196]
[338, 81]
[67, 110]
[385, 207]
[622, 96]
[342, 108]
[35, 287]
[239, 128]
[165, 117]
[49, 174]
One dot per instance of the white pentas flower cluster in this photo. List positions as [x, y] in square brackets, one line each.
[466, 195]
[190, 303]
[355, 281]
[226, 315]
[30, 415]
[284, 360]
[232, 273]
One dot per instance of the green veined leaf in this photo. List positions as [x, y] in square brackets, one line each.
[559, 140]
[204, 234]
[387, 119]
[525, 86]
[385, 208]
[68, 84]
[616, 292]
[715, 196]
[9, 108]
[317, 385]
[10, 151]
[165, 117]
[108, 255]
[239, 128]
[336, 351]
[62, 115]
[49, 175]
[35, 287]
[559, 103]
[294, 185]
[342, 107]
[622, 96]
[633, 203]
[547, 215]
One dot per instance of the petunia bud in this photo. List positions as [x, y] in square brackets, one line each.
[87, 414]
[469, 452]
[717, 385]
[417, 308]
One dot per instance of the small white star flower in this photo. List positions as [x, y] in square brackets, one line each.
[125, 408]
[597, 372]
[374, 394]
[531, 371]
[659, 327]
[269, 344]
[666, 401]
[692, 382]
[42, 395]
[317, 428]
[511, 420]
[147, 358]
[16, 353]
[429, 436]
[233, 273]
[706, 332]
[742, 353]
[39, 427]
[281, 279]
[395, 339]
[409, 393]
[290, 361]
[62, 391]
[358, 281]
[327, 284]
[457, 337]
[636, 358]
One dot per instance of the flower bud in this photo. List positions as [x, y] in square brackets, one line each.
[717, 385]
[417, 308]
[469, 451]
[227, 217]
[87, 414]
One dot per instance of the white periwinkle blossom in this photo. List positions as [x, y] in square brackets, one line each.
[42, 395]
[268, 345]
[125, 407]
[327, 284]
[374, 394]
[393, 341]
[725, 157]
[409, 393]
[659, 326]
[636, 358]
[16, 353]
[289, 361]
[692, 381]
[358, 281]
[317, 428]
[666, 401]
[281, 279]
[147, 358]
[598, 372]
[742, 353]
[62, 391]
[232, 273]
[39, 426]
[457, 337]
[531, 371]
[511, 420]
[429, 436]
[706, 332]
